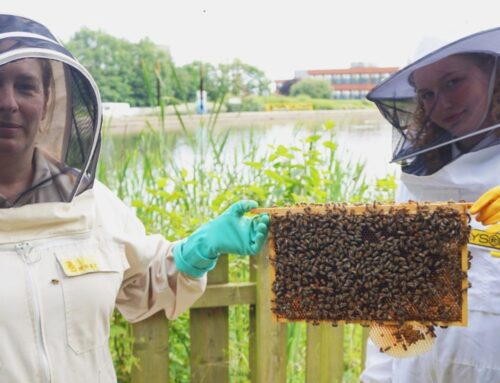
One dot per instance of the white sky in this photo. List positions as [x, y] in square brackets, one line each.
[278, 36]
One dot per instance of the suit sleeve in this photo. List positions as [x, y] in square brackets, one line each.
[378, 367]
[152, 281]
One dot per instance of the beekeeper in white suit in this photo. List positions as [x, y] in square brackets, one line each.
[70, 251]
[445, 109]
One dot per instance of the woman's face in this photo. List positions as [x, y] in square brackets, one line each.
[23, 105]
[454, 93]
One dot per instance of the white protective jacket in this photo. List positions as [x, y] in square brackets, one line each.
[64, 267]
[461, 354]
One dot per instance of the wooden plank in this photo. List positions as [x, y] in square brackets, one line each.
[210, 336]
[226, 294]
[465, 287]
[151, 347]
[325, 354]
[252, 335]
[364, 339]
[462, 207]
[271, 337]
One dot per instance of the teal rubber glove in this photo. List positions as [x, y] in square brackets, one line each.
[230, 233]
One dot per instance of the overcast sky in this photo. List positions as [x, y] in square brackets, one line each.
[278, 36]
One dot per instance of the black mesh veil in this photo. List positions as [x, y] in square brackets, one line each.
[67, 143]
[444, 104]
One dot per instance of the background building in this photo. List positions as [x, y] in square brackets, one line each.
[353, 82]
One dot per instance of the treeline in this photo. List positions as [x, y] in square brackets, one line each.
[139, 73]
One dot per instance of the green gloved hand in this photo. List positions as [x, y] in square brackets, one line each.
[231, 232]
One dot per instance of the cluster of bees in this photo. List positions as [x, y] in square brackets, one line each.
[378, 266]
[403, 340]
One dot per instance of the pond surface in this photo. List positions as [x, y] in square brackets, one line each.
[361, 137]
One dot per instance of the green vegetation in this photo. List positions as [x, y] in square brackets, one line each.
[177, 182]
[118, 66]
[311, 87]
[259, 103]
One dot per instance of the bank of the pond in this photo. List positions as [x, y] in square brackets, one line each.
[134, 124]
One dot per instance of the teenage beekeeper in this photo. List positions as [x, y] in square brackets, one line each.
[70, 251]
[445, 109]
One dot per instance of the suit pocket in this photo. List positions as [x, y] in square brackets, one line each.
[92, 274]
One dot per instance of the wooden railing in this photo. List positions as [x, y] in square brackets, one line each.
[209, 331]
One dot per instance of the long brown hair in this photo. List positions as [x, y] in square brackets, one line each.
[423, 130]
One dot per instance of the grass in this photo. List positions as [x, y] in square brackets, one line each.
[260, 103]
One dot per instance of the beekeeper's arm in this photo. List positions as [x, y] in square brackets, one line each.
[378, 367]
[153, 282]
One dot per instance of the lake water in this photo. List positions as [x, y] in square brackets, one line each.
[361, 137]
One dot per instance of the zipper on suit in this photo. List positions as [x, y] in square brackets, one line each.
[24, 249]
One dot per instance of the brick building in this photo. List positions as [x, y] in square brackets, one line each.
[353, 82]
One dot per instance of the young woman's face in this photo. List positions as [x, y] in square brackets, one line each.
[454, 93]
[23, 105]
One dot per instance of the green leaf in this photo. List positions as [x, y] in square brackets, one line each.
[330, 145]
[284, 152]
[138, 203]
[274, 176]
[255, 165]
[161, 183]
[329, 125]
[313, 138]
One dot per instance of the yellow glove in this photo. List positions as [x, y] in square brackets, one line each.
[487, 208]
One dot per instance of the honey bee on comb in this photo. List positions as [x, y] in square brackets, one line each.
[388, 264]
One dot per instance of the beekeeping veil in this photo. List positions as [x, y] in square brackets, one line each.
[426, 138]
[68, 139]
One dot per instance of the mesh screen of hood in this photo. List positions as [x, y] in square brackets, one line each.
[422, 145]
[69, 136]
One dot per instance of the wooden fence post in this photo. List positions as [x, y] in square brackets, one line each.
[325, 353]
[252, 335]
[364, 339]
[271, 337]
[151, 347]
[209, 329]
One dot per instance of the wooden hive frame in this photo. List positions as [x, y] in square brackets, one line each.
[409, 208]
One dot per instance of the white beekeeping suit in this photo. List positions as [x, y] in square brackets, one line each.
[449, 150]
[70, 250]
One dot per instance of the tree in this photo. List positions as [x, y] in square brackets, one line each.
[236, 78]
[189, 77]
[128, 72]
[243, 79]
[312, 87]
[155, 64]
[119, 66]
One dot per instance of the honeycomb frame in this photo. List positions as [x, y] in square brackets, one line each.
[411, 209]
